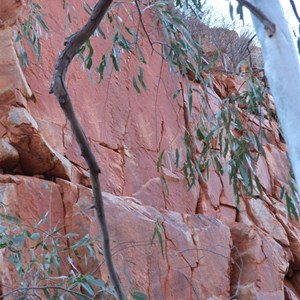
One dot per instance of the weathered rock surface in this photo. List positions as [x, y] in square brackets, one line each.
[213, 247]
[189, 240]
[10, 10]
[9, 156]
[265, 260]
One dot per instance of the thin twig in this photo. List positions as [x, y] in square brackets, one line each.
[54, 287]
[249, 51]
[58, 87]
[141, 21]
[295, 10]
[269, 26]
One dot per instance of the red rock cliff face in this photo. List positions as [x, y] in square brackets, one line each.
[212, 249]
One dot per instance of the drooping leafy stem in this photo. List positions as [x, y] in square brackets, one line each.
[222, 139]
[183, 53]
[159, 232]
[31, 29]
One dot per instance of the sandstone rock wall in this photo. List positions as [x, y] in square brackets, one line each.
[213, 249]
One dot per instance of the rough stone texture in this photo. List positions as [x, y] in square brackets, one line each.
[264, 259]
[189, 239]
[213, 247]
[13, 85]
[9, 156]
[10, 10]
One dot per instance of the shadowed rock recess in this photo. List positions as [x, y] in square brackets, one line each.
[212, 248]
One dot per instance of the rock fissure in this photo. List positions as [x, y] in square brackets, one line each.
[123, 162]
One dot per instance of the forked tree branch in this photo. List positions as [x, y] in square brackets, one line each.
[58, 87]
[269, 26]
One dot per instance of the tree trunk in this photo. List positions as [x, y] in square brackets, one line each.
[282, 69]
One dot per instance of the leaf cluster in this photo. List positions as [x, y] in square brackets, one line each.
[47, 262]
[31, 29]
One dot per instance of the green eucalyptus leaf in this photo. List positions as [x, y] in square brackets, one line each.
[139, 296]
[239, 11]
[135, 85]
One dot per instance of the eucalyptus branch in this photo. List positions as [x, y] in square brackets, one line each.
[269, 26]
[73, 45]
[53, 287]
